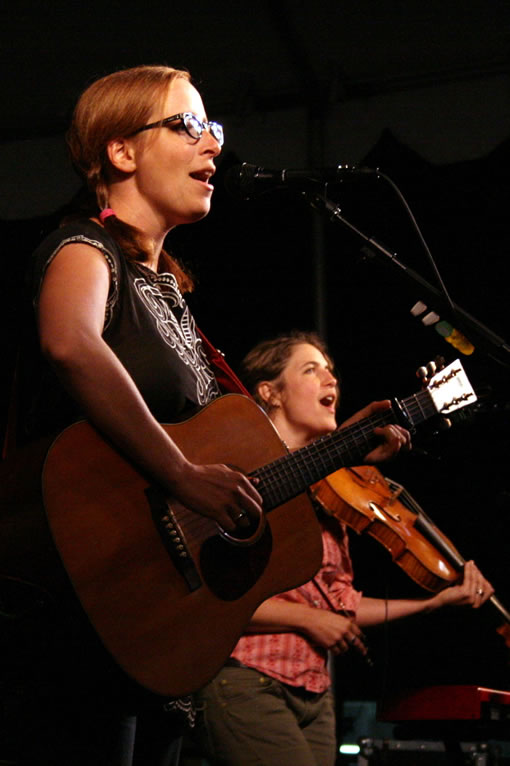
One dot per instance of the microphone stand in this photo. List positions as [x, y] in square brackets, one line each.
[372, 246]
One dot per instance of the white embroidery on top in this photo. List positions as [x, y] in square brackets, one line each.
[180, 335]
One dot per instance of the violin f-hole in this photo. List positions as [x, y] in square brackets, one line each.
[382, 512]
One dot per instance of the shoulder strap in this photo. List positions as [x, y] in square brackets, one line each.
[226, 377]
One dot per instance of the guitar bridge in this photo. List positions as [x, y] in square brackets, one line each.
[172, 537]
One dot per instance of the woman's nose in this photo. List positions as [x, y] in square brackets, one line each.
[209, 143]
[329, 378]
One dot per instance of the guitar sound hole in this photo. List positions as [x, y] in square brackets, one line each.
[231, 570]
[246, 535]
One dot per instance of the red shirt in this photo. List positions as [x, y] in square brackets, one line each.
[290, 657]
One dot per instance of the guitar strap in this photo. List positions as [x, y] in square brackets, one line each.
[226, 377]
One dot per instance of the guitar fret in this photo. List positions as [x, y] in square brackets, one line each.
[294, 472]
[291, 474]
[419, 407]
[279, 483]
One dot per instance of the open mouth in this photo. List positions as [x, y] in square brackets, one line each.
[202, 175]
[328, 401]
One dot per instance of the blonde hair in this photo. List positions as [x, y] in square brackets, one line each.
[114, 106]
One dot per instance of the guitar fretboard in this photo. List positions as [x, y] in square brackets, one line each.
[291, 474]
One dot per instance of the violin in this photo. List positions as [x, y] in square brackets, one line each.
[367, 502]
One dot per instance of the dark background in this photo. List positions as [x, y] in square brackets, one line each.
[274, 263]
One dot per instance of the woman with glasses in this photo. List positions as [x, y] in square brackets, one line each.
[112, 320]
[123, 352]
[121, 349]
[272, 703]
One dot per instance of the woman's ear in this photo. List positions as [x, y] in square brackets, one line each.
[269, 394]
[121, 153]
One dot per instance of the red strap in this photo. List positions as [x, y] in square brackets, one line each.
[226, 377]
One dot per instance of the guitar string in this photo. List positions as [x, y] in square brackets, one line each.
[323, 454]
[276, 476]
[292, 473]
[301, 469]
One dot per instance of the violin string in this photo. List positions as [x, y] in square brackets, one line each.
[427, 527]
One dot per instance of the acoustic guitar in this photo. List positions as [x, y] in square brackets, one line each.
[167, 590]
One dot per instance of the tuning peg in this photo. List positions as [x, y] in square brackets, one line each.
[428, 371]
[440, 362]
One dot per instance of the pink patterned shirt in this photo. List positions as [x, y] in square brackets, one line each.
[290, 657]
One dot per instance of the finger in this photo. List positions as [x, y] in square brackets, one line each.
[248, 496]
[245, 502]
[477, 583]
[226, 522]
[480, 596]
[242, 519]
[356, 643]
[393, 435]
[341, 647]
[239, 517]
[401, 435]
[381, 404]
[471, 580]
[484, 591]
[245, 510]
[405, 437]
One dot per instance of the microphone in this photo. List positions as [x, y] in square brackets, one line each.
[249, 180]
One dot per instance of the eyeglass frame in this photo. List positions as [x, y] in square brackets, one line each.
[211, 126]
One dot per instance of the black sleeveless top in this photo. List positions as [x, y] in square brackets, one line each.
[147, 324]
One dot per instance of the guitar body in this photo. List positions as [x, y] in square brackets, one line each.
[168, 595]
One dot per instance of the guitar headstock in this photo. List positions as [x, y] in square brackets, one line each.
[448, 386]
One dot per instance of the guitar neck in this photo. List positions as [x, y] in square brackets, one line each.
[292, 474]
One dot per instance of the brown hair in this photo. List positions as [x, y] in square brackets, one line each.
[116, 106]
[268, 359]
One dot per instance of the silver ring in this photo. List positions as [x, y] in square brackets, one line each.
[240, 516]
[479, 591]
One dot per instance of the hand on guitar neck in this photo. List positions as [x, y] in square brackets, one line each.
[393, 437]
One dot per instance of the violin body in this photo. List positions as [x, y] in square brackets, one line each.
[368, 503]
